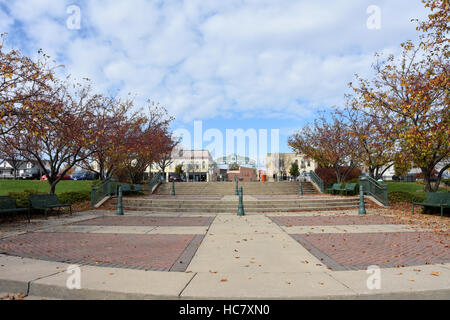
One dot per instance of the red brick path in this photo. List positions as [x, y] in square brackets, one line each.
[332, 220]
[151, 252]
[358, 251]
[148, 221]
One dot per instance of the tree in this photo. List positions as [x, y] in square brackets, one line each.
[22, 83]
[179, 169]
[10, 154]
[147, 143]
[402, 166]
[59, 138]
[294, 170]
[234, 166]
[413, 97]
[373, 137]
[113, 119]
[437, 25]
[330, 144]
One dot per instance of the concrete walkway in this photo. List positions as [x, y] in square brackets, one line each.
[249, 257]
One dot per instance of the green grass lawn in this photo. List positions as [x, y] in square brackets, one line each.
[7, 186]
[412, 187]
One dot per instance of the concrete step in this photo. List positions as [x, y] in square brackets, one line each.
[229, 188]
[234, 209]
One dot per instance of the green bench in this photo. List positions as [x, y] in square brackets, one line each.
[434, 199]
[138, 187]
[47, 202]
[335, 188]
[349, 187]
[8, 205]
[126, 188]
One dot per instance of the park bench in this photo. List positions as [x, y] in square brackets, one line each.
[335, 188]
[434, 199]
[138, 187]
[126, 188]
[47, 202]
[349, 187]
[8, 205]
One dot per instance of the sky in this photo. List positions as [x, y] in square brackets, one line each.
[250, 64]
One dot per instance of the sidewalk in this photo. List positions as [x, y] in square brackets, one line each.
[249, 257]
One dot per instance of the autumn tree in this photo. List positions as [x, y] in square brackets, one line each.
[113, 119]
[412, 95]
[58, 139]
[22, 83]
[373, 137]
[165, 162]
[179, 169]
[329, 143]
[10, 154]
[437, 25]
[147, 143]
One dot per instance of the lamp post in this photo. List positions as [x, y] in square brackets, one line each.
[119, 203]
[241, 212]
[362, 205]
[300, 188]
[173, 188]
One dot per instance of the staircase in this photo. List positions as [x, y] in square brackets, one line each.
[186, 205]
[229, 188]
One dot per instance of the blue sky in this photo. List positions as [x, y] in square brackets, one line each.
[266, 64]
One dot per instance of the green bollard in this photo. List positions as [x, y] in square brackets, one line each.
[237, 186]
[173, 188]
[362, 205]
[241, 212]
[300, 188]
[119, 203]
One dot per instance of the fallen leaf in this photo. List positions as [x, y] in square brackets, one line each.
[437, 274]
[224, 280]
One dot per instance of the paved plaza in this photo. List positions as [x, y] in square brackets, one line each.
[301, 255]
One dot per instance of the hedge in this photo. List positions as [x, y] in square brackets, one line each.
[22, 201]
[404, 196]
[21, 198]
[74, 197]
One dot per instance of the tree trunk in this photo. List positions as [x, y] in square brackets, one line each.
[427, 179]
[52, 188]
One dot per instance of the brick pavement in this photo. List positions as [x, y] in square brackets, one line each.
[149, 221]
[333, 220]
[386, 250]
[149, 252]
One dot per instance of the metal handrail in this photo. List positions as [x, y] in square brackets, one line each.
[103, 189]
[374, 188]
[317, 180]
[154, 181]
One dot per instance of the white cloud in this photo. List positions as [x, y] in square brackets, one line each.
[204, 59]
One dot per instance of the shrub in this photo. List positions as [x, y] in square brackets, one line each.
[328, 175]
[404, 196]
[74, 197]
[22, 198]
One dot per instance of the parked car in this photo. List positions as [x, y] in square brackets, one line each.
[31, 174]
[176, 178]
[84, 175]
[66, 177]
